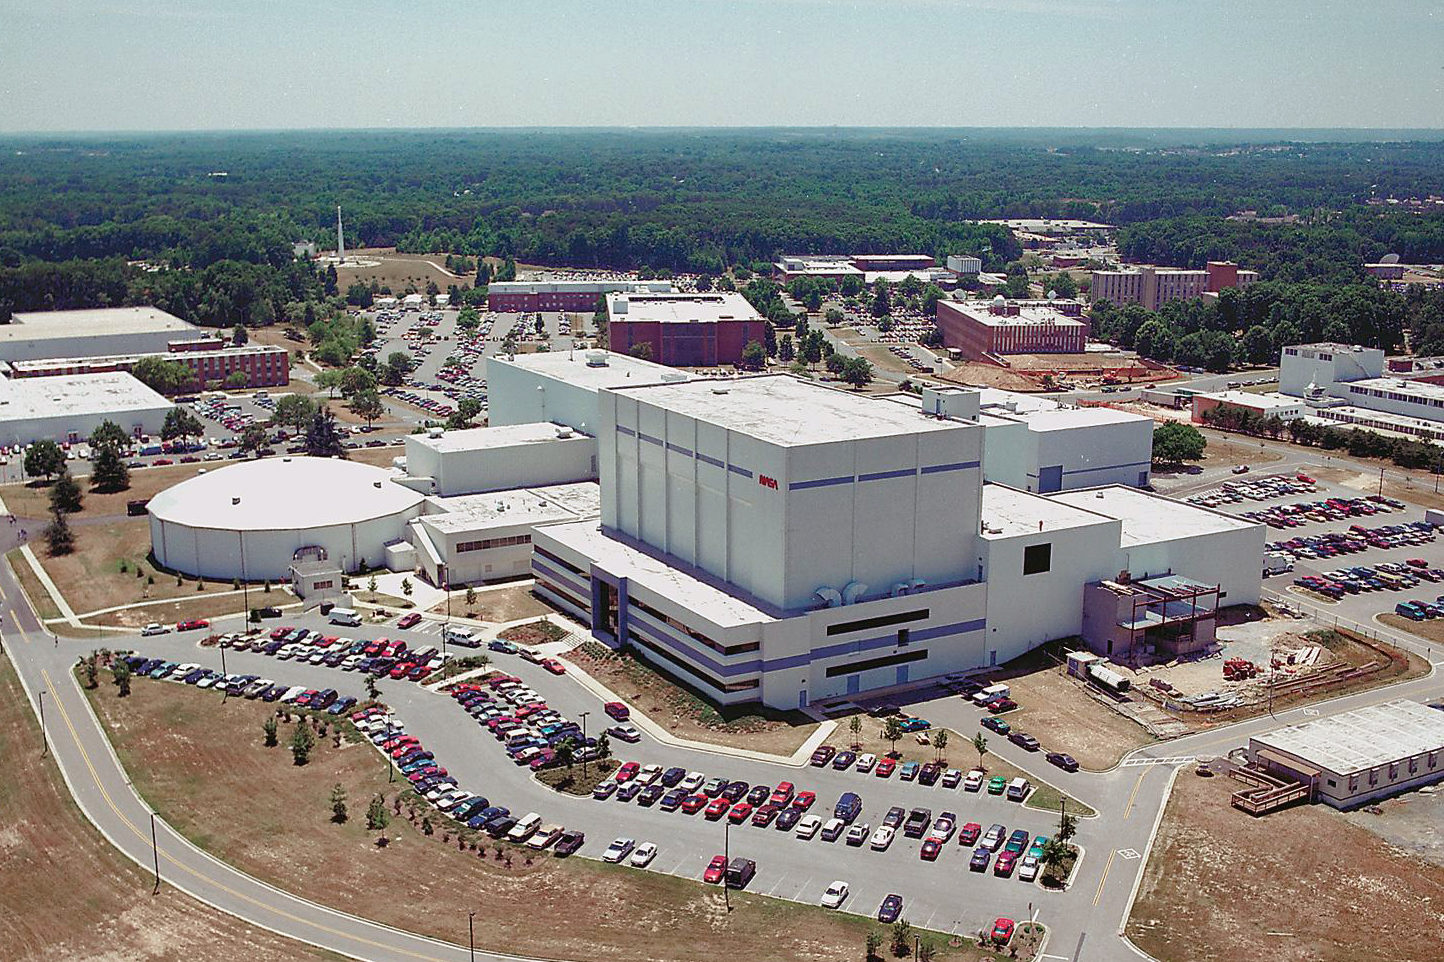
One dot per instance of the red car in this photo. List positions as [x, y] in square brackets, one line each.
[617, 710]
[628, 771]
[1412, 562]
[194, 623]
[716, 869]
[399, 671]
[408, 620]
[1003, 867]
[418, 673]
[554, 666]
[969, 833]
[716, 809]
[804, 801]
[763, 816]
[885, 767]
[1003, 931]
[782, 794]
[693, 804]
[931, 848]
[278, 633]
[739, 813]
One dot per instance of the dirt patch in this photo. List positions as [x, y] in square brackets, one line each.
[496, 605]
[169, 612]
[977, 374]
[1223, 885]
[398, 271]
[1230, 451]
[534, 633]
[65, 893]
[192, 758]
[686, 713]
[1428, 630]
[1413, 822]
[1058, 710]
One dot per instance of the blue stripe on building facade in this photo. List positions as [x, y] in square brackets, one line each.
[649, 439]
[818, 483]
[738, 470]
[954, 466]
[885, 475]
[687, 452]
[627, 431]
[707, 460]
[1110, 467]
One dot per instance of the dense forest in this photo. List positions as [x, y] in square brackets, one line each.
[218, 212]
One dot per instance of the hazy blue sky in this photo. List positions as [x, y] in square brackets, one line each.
[199, 64]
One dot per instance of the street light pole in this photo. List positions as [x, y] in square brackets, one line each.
[584, 745]
[155, 851]
[390, 762]
[726, 857]
[471, 934]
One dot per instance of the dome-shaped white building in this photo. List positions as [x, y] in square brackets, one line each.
[253, 519]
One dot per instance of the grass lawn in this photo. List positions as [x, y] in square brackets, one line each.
[574, 781]
[193, 758]
[1300, 884]
[685, 712]
[65, 893]
[39, 597]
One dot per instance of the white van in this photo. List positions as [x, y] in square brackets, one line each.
[345, 616]
[460, 636]
[1018, 789]
[992, 693]
[525, 828]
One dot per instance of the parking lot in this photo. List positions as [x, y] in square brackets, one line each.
[943, 894]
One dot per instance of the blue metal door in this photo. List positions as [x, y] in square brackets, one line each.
[802, 698]
[854, 684]
[1050, 479]
[902, 674]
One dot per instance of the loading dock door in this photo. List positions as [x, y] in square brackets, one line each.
[1050, 479]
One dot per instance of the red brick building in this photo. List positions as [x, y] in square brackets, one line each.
[999, 326]
[684, 330]
[575, 296]
[264, 365]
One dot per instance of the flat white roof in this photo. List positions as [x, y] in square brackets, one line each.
[1356, 741]
[1008, 513]
[1069, 419]
[518, 506]
[75, 395]
[501, 436]
[43, 363]
[1149, 518]
[280, 494]
[574, 368]
[1028, 315]
[785, 410]
[715, 605]
[1396, 385]
[681, 308]
[1248, 399]
[560, 285]
[38, 325]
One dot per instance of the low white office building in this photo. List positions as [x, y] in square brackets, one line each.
[85, 333]
[474, 460]
[562, 386]
[70, 407]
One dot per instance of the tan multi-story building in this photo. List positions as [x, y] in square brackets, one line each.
[1153, 287]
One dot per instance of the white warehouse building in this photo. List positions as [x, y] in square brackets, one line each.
[475, 460]
[69, 407]
[771, 539]
[86, 333]
[252, 520]
[562, 386]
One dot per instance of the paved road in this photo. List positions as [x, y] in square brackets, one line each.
[1085, 922]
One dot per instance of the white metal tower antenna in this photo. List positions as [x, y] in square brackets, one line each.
[340, 238]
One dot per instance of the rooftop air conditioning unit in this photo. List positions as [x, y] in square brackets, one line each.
[719, 389]
[434, 431]
[596, 359]
[564, 432]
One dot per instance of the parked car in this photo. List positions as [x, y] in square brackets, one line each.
[1064, 761]
[618, 850]
[716, 870]
[835, 895]
[568, 844]
[643, 855]
[890, 909]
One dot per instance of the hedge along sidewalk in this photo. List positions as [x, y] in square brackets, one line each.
[797, 759]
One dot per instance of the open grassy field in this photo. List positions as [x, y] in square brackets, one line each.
[685, 713]
[33, 500]
[66, 894]
[398, 271]
[1300, 885]
[192, 758]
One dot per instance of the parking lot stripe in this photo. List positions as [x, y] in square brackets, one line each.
[777, 885]
[1098, 896]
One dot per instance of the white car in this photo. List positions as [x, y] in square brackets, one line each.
[866, 763]
[974, 781]
[808, 825]
[1028, 868]
[952, 777]
[154, 628]
[882, 838]
[692, 782]
[833, 829]
[835, 895]
[618, 850]
[649, 774]
[857, 834]
[643, 854]
[292, 694]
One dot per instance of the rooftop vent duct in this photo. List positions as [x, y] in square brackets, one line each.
[828, 595]
[236, 500]
[853, 591]
[719, 389]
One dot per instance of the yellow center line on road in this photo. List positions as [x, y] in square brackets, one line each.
[1098, 896]
[1136, 786]
[144, 837]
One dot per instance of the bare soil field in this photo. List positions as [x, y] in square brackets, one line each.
[192, 757]
[66, 894]
[1412, 822]
[976, 374]
[397, 271]
[1221, 884]
[33, 500]
[686, 713]
[496, 605]
[1063, 716]
[1431, 630]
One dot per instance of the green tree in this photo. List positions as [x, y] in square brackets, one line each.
[163, 375]
[302, 741]
[881, 299]
[785, 351]
[376, 817]
[468, 319]
[873, 943]
[1055, 854]
[1176, 442]
[294, 411]
[398, 365]
[90, 670]
[239, 335]
[980, 745]
[754, 358]
[109, 435]
[237, 380]
[940, 742]
[65, 495]
[1067, 827]
[108, 470]
[566, 753]
[604, 746]
[323, 439]
[252, 439]
[120, 671]
[854, 725]
[372, 691]
[269, 728]
[470, 597]
[857, 372]
[892, 731]
[902, 937]
[467, 410]
[329, 379]
[406, 587]
[354, 380]
[367, 404]
[338, 804]
[642, 350]
[182, 425]
[44, 459]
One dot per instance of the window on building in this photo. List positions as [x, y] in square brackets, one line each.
[1037, 558]
[886, 661]
[881, 621]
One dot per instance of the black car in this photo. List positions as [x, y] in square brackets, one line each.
[929, 774]
[788, 818]
[499, 827]
[673, 800]
[268, 612]
[894, 816]
[734, 791]
[759, 795]
[883, 710]
[919, 819]
[569, 843]
[649, 795]
[844, 761]
[672, 776]
[980, 859]
[274, 693]
[890, 909]
[1066, 762]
